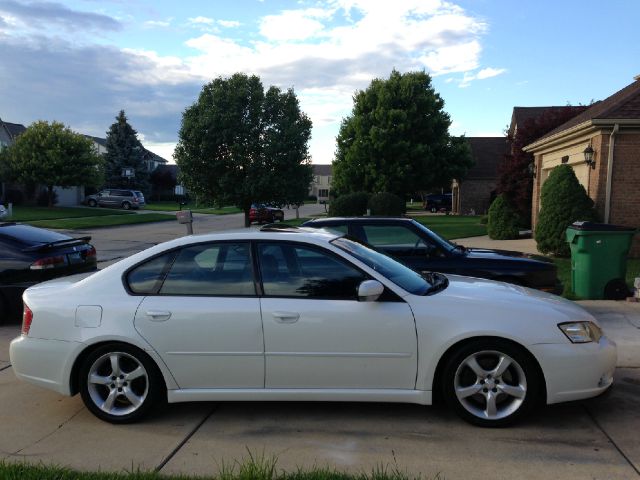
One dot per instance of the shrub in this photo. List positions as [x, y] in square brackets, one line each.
[563, 201]
[484, 219]
[349, 205]
[503, 222]
[387, 204]
[42, 200]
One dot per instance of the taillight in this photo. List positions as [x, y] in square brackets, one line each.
[27, 318]
[91, 252]
[49, 262]
[252, 211]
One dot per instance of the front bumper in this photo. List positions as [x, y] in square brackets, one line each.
[46, 363]
[576, 371]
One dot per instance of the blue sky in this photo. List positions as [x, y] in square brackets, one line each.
[81, 61]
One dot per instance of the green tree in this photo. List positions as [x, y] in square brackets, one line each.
[397, 140]
[504, 221]
[124, 151]
[562, 201]
[50, 154]
[240, 145]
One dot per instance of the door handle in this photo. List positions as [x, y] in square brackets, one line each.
[286, 317]
[158, 315]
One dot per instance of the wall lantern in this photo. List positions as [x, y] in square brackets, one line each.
[588, 157]
[532, 169]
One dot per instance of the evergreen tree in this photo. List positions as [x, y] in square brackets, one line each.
[562, 201]
[124, 151]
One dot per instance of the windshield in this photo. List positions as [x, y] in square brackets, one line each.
[445, 244]
[402, 276]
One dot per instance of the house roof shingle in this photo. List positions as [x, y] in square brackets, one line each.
[14, 129]
[322, 170]
[487, 153]
[624, 104]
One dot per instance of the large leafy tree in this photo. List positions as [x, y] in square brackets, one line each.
[124, 151]
[515, 181]
[50, 154]
[239, 144]
[397, 139]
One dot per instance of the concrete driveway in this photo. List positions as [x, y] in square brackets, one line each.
[592, 439]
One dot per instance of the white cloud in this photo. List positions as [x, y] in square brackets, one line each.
[158, 23]
[490, 72]
[293, 25]
[229, 23]
[201, 21]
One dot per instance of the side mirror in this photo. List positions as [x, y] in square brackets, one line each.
[370, 290]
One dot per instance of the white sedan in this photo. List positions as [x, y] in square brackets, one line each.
[297, 314]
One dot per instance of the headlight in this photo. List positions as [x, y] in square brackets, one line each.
[581, 332]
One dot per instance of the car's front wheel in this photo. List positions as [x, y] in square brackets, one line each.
[491, 383]
[126, 205]
[119, 383]
[92, 203]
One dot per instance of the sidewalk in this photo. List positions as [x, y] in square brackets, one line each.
[526, 245]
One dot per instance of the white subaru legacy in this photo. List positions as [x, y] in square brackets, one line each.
[303, 314]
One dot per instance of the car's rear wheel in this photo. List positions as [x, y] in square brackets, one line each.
[119, 383]
[491, 383]
[126, 205]
[92, 203]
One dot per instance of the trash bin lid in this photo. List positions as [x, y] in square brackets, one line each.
[600, 227]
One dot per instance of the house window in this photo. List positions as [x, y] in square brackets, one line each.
[323, 192]
[316, 179]
[329, 180]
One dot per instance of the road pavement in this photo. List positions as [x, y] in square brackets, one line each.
[591, 439]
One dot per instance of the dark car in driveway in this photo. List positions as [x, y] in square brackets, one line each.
[423, 250]
[30, 255]
[262, 213]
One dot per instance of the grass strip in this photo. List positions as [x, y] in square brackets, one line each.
[28, 214]
[453, 226]
[174, 207]
[104, 221]
[252, 468]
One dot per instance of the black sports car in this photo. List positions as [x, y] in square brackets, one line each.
[425, 251]
[30, 255]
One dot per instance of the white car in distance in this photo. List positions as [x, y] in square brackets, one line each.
[303, 314]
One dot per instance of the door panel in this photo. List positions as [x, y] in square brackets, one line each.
[338, 344]
[207, 342]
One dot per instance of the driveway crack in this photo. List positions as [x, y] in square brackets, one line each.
[185, 440]
[17, 452]
[620, 451]
[4, 368]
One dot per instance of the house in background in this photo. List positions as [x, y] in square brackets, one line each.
[475, 193]
[602, 145]
[321, 184]
[73, 195]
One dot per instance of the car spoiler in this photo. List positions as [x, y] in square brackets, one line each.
[67, 242]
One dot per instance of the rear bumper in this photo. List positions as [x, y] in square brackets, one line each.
[46, 363]
[576, 371]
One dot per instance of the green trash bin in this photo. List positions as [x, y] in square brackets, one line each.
[599, 259]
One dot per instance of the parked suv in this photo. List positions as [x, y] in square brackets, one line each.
[438, 203]
[425, 251]
[116, 198]
[262, 213]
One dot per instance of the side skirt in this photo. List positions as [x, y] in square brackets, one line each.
[420, 397]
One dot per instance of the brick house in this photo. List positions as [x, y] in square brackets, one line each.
[611, 128]
[476, 192]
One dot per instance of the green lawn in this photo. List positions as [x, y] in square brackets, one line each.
[174, 207]
[564, 273]
[28, 214]
[259, 468]
[102, 221]
[453, 226]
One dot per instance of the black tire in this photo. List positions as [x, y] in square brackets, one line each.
[126, 205]
[521, 379]
[92, 203]
[4, 311]
[149, 390]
